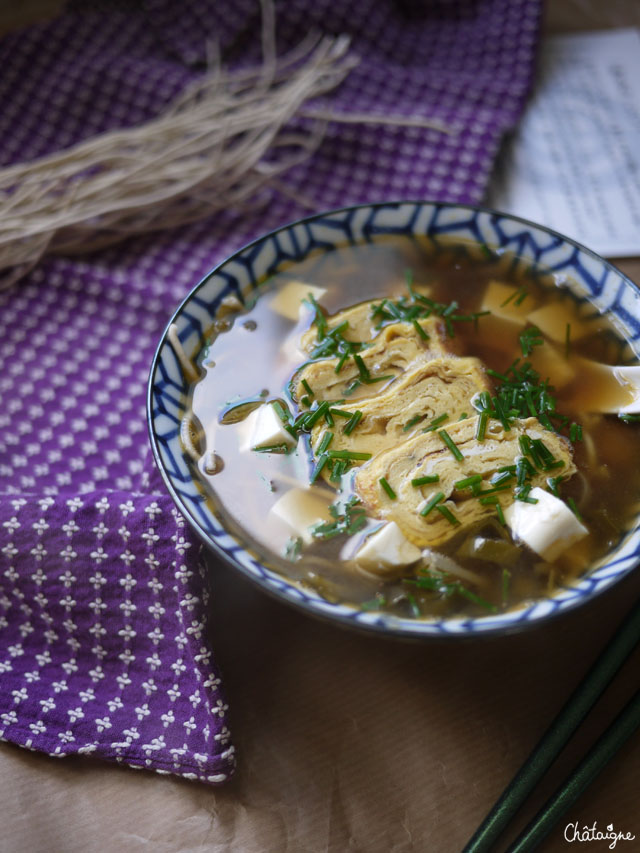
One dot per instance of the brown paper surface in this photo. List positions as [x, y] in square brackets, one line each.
[349, 742]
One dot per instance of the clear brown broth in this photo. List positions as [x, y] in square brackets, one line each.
[250, 366]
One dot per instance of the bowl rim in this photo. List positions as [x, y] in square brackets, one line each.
[371, 628]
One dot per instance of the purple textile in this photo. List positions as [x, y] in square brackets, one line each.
[103, 604]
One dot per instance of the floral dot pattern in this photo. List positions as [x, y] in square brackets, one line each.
[103, 601]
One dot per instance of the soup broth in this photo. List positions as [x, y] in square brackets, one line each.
[253, 355]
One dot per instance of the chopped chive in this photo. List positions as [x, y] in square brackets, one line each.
[341, 413]
[497, 375]
[524, 442]
[421, 332]
[463, 416]
[387, 488]
[426, 509]
[353, 422]
[408, 277]
[273, 448]
[522, 494]
[363, 370]
[345, 355]
[348, 454]
[320, 320]
[553, 483]
[435, 423]
[305, 401]
[488, 501]
[281, 411]
[509, 299]
[424, 481]
[322, 461]
[500, 515]
[307, 388]
[471, 596]
[486, 251]
[506, 578]
[574, 509]
[482, 425]
[412, 422]
[501, 478]
[520, 299]
[629, 419]
[545, 454]
[352, 387]
[373, 603]
[446, 512]
[531, 337]
[348, 519]
[473, 480]
[293, 548]
[444, 435]
[325, 441]
[415, 610]
[337, 470]
[317, 414]
[503, 487]
[575, 432]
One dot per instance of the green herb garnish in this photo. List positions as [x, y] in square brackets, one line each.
[435, 423]
[431, 503]
[348, 454]
[468, 482]
[349, 519]
[326, 440]
[574, 509]
[444, 435]
[293, 548]
[353, 422]
[446, 512]
[575, 432]
[385, 485]
[424, 481]
[440, 584]
[412, 422]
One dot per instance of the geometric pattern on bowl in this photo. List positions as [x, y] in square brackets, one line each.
[589, 277]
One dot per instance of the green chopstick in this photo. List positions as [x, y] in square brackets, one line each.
[555, 738]
[579, 779]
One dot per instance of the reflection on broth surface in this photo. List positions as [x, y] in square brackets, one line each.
[415, 427]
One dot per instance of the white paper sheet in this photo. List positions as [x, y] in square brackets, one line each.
[574, 162]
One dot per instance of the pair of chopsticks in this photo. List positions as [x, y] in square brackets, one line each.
[552, 742]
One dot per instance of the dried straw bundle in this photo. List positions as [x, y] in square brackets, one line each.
[206, 152]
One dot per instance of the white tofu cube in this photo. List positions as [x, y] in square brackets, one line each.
[387, 548]
[264, 427]
[548, 527]
[552, 321]
[288, 300]
[300, 509]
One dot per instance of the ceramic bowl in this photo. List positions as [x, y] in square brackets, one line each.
[589, 277]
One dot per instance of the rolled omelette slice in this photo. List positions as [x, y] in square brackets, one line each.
[430, 389]
[393, 351]
[426, 454]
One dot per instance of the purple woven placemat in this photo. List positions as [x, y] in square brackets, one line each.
[103, 602]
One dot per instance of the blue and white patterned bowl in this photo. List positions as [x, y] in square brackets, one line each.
[588, 276]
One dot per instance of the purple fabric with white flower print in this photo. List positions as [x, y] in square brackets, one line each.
[103, 601]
